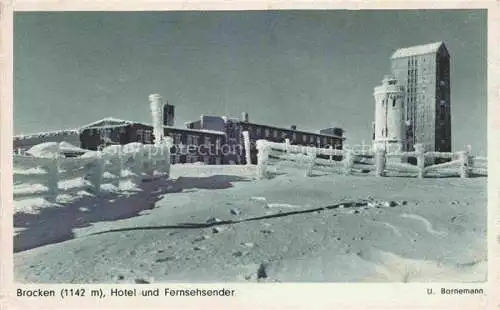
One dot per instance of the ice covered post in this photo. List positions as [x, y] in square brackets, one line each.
[420, 154]
[168, 143]
[380, 161]
[311, 155]
[246, 141]
[262, 154]
[53, 176]
[465, 160]
[156, 106]
[287, 145]
[348, 161]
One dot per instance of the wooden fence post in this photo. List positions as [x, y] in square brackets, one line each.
[464, 164]
[311, 155]
[167, 144]
[53, 178]
[246, 142]
[348, 161]
[96, 173]
[419, 149]
[287, 146]
[138, 156]
[149, 158]
[118, 167]
[262, 155]
[380, 160]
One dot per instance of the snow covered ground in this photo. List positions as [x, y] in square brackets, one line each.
[216, 223]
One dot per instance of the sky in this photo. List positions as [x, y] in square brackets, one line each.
[314, 69]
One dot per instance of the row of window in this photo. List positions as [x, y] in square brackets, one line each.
[268, 133]
[193, 139]
[144, 135]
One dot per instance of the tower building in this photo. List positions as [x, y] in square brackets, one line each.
[389, 115]
[424, 71]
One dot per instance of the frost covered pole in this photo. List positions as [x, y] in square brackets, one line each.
[262, 154]
[464, 163]
[380, 161]
[53, 176]
[311, 155]
[168, 143]
[156, 106]
[246, 141]
[348, 161]
[419, 149]
[96, 173]
[331, 154]
[287, 146]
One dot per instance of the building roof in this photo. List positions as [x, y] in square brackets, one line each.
[417, 50]
[297, 131]
[197, 130]
[108, 121]
[47, 134]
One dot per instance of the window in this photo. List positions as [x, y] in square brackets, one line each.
[304, 138]
[266, 133]
[294, 136]
[189, 140]
[139, 133]
[393, 102]
[259, 131]
[178, 138]
[311, 139]
[147, 136]
[275, 133]
[207, 141]
[196, 140]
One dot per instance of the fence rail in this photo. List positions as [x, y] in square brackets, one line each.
[116, 165]
[379, 162]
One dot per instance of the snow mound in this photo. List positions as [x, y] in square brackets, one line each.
[46, 149]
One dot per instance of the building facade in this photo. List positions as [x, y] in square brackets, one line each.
[233, 128]
[22, 143]
[190, 145]
[424, 71]
[211, 140]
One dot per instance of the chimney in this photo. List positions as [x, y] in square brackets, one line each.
[293, 127]
[244, 117]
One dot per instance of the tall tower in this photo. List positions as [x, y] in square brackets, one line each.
[424, 70]
[389, 115]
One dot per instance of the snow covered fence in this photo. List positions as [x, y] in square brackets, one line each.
[379, 162]
[126, 165]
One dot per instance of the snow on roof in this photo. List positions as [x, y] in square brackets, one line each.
[107, 119]
[197, 130]
[47, 134]
[417, 50]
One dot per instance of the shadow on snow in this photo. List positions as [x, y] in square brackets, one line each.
[56, 224]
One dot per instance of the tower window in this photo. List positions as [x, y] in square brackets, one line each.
[393, 102]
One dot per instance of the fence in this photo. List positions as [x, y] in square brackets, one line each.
[117, 165]
[378, 163]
